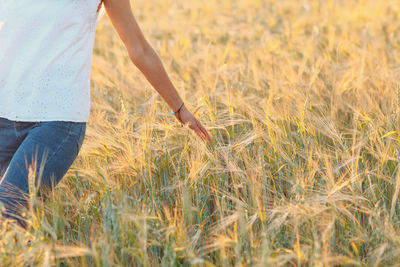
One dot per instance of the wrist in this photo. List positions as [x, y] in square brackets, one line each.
[178, 109]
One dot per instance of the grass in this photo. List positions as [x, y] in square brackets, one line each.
[301, 100]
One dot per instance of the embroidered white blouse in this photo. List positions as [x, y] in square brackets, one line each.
[46, 49]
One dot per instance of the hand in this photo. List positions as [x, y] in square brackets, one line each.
[186, 117]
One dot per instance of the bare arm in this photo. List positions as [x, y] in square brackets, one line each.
[148, 62]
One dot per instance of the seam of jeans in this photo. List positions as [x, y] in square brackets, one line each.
[83, 129]
[78, 144]
[82, 132]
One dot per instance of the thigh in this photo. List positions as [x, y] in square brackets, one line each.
[48, 150]
[9, 143]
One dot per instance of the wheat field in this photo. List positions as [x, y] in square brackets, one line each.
[301, 99]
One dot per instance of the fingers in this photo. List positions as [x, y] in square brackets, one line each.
[204, 132]
[195, 125]
[200, 130]
[196, 129]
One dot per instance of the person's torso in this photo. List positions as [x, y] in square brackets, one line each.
[45, 57]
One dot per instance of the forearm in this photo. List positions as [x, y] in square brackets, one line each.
[149, 63]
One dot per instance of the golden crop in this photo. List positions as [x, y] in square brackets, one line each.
[301, 99]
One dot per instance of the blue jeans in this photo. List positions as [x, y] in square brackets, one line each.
[46, 148]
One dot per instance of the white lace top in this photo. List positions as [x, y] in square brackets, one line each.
[46, 49]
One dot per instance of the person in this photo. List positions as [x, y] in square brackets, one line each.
[46, 51]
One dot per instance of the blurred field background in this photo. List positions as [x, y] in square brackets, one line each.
[301, 99]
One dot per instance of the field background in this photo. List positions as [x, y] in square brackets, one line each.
[301, 100]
